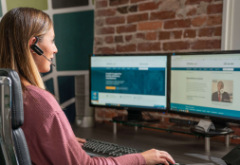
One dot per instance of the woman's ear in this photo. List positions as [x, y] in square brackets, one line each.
[31, 41]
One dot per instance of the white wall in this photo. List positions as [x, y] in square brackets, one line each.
[231, 25]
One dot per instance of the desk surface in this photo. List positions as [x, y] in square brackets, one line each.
[185, 149]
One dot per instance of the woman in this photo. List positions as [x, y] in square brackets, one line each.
[27, 46]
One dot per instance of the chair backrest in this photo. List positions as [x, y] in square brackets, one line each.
[14, 148]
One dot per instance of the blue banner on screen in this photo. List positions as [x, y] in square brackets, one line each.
[130, 81]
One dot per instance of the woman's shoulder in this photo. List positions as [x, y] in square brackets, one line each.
[37, 92]
[35, 96]
[40, 108]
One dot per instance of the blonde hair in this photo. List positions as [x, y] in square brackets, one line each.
[17, 27]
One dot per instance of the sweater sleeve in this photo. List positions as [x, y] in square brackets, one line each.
[53, 141]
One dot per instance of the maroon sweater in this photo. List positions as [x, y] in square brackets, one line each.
[50, 137]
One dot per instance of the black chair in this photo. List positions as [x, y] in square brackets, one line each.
[14, 148]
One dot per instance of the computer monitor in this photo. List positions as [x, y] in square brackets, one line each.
[135, 82]
[206, 84]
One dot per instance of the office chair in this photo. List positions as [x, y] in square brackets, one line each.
[14, 150]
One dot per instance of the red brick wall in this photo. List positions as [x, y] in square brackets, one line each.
[157, 25]
[153, 26]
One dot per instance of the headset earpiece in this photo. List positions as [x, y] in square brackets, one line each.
[35, 48]
[39, 51]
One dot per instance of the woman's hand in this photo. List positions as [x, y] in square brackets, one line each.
[81, 140]
[154, 156]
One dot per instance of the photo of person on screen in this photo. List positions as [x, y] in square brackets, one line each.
[220, 95]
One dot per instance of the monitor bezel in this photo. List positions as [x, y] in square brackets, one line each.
[216, 119]
[126, 107]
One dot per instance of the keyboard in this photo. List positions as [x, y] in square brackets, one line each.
[100, 148]
[105, 149]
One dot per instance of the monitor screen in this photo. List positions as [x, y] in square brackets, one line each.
[129, 81]
[206, 84]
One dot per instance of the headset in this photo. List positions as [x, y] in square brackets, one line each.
[35, 48]
[39, 51]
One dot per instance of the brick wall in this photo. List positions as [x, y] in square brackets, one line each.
[157, 25]
[153, 26]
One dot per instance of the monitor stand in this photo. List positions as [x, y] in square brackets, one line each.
[209, 128]
[134, 115]
[137, 116]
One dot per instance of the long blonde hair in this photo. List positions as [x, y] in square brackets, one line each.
[17, 27]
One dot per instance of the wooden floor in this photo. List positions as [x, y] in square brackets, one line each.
[184, 149]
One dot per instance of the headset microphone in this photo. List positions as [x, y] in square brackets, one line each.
[49, 60]
[39, 51]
